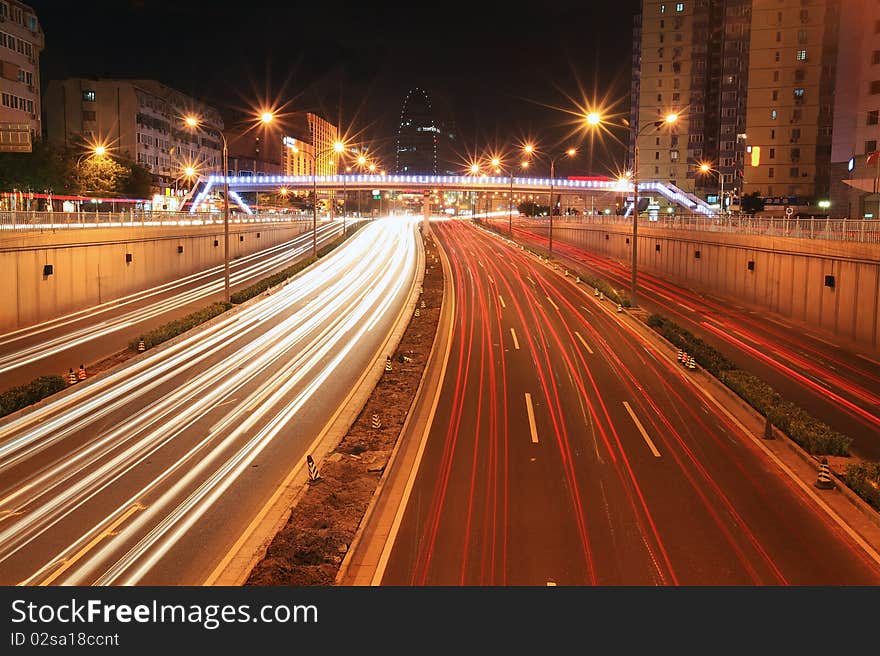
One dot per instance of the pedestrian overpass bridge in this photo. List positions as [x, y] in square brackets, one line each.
[430, 183]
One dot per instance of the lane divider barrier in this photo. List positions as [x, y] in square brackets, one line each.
[824, 480]
[388, 363]
[71, 377]
[81, 374]
[314, 476]
[141, 346]
[376, 422]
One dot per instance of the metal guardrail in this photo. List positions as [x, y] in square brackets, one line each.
[29, 221]
[851, 230]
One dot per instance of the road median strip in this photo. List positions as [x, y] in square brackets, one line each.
[326, 517]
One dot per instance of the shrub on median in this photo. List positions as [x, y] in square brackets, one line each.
[813, 435]
[864, 480]
[276, 279]
[707, 356]
[179, 326]
[22, 396]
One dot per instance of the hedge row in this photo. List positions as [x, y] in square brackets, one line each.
[708, 357]
[22, 396]
[276, 279]
[815, 436]
[174, 328]
[609, 291]
[864, 480]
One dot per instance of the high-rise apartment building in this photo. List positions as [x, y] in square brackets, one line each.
[856, 136]
[142, 120]
[790, 110]
[691, 58]
[21, 41]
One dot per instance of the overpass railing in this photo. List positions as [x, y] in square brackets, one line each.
[22, 221]
[851, 230]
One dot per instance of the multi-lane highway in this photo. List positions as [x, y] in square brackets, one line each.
[837, 386]
[567, 448]
[96, 332]
[150, 474]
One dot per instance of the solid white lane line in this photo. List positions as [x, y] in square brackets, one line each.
[531, 412]
[553, 304]
[515, 340]
[642, 430]
[586, 346]
[501, 298]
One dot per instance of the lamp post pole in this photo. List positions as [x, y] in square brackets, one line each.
[225, 219]
[635, 237]
[552, 170]
[670, 119]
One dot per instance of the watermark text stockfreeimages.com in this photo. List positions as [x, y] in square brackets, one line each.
[209, 616]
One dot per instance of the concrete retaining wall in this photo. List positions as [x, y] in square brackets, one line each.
[788, 275]
[89, 266]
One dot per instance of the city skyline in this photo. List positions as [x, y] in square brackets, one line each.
[374, 58]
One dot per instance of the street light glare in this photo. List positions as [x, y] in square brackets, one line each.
[372, 168]
[191, 121]
[189, 171]
[267, 117]
[475, 168]
[100, 151]
[593, 118]
[362, 160]
[496, 162]
[671, 118]
[528, 149]
[704, 168]
[571, 152]
[339, 147]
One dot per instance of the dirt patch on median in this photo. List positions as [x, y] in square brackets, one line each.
[310, 547]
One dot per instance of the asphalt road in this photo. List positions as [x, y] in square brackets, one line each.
[565, 450]
[148, 475]
[840, 387]
[94, 333]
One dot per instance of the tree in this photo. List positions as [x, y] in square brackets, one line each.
[45, 167]
[100, 175]
[752, 203]
[139, 181]
[530, 208]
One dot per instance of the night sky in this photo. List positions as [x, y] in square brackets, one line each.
[502, 73]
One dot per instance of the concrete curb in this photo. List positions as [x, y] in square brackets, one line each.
[392, 459]
[256, 540]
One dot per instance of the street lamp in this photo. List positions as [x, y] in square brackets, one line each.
[194, 122]
[474, 170]
[530, 151]
[338, 147]
[670, 119]
[704, 168]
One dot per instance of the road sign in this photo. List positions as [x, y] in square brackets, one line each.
[789, 211]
